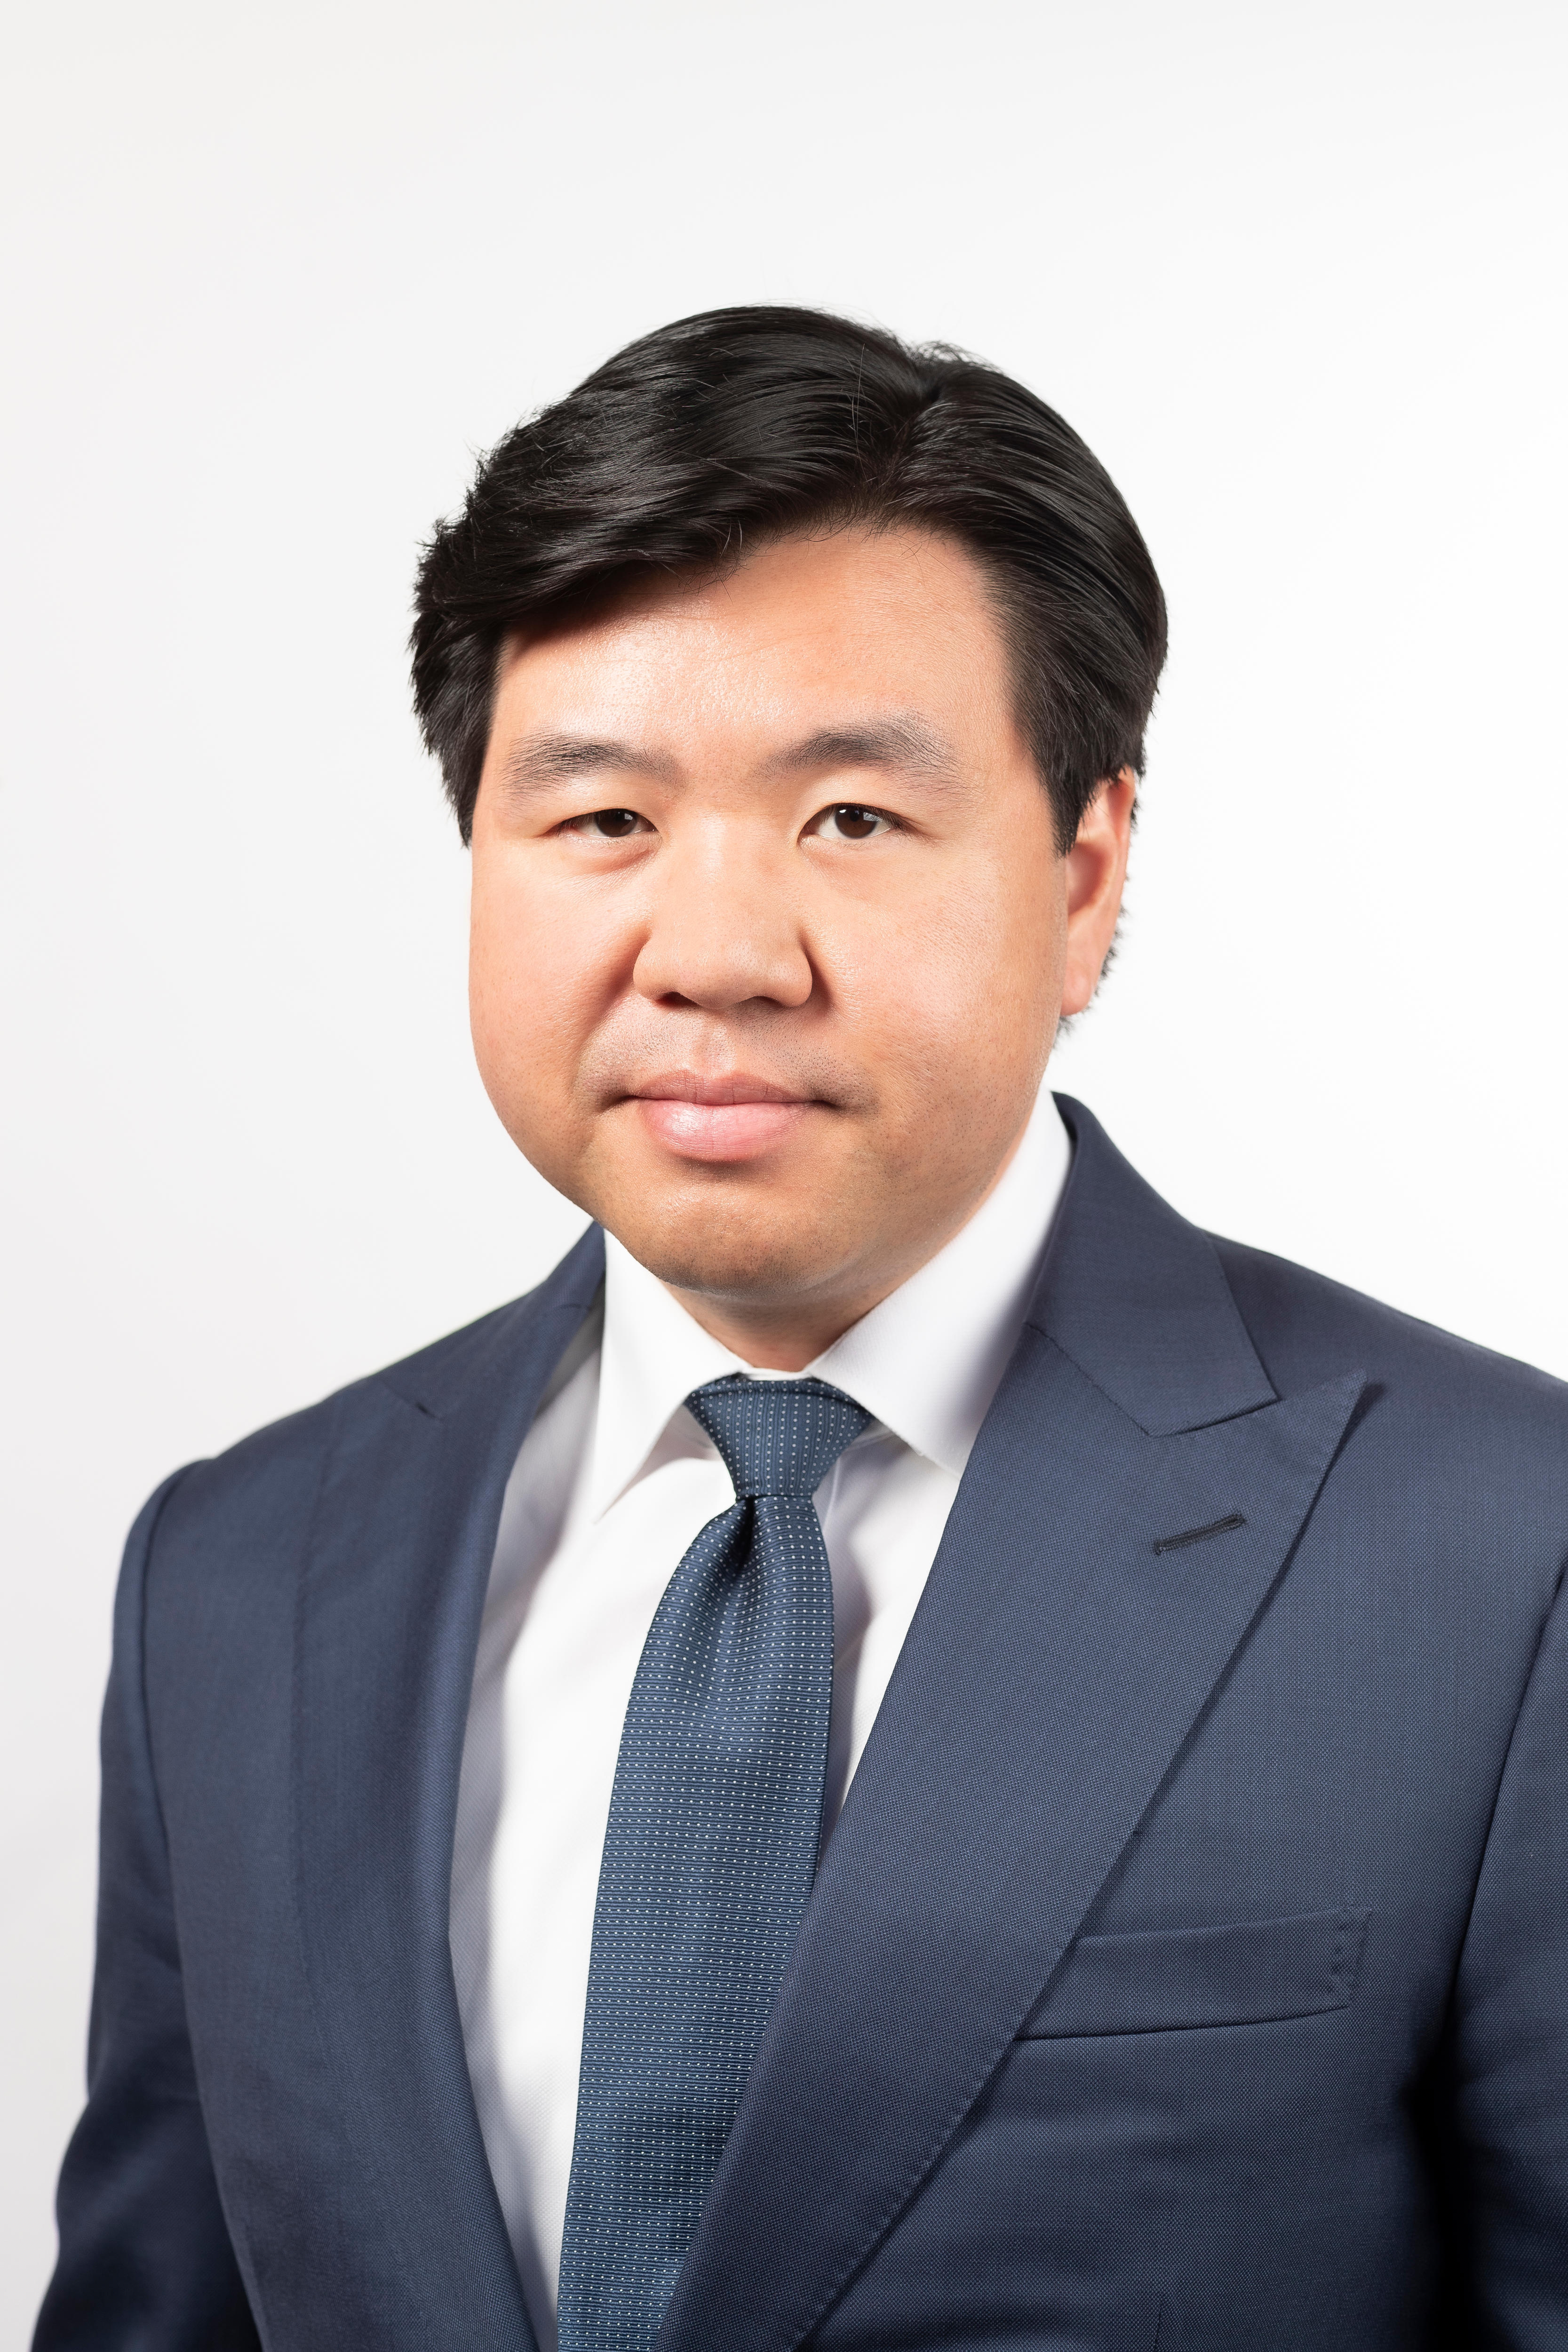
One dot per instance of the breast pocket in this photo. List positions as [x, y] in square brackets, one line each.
[1173, 1980]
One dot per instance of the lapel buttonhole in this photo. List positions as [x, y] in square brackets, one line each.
[1201, 1535]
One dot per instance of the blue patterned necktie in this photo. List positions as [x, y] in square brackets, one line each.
[709, 1854]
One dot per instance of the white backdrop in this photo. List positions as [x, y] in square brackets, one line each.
[275, 273]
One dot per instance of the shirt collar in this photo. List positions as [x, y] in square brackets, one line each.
[926, 1362]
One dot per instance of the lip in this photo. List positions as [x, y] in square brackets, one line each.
[717, 1119]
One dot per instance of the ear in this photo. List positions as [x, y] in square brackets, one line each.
[1096, 872]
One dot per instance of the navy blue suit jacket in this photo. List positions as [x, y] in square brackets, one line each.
[1189, 1966]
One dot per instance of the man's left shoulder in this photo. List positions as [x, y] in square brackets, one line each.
[1460, 1402]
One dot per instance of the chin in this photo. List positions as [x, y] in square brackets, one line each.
[727, 1253]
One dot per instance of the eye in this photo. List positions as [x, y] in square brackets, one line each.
[849, 821]
[608, 824]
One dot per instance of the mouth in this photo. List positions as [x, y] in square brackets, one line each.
[714, 1119]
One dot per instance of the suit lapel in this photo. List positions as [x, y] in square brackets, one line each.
[1056, 1665]
[390, 1602]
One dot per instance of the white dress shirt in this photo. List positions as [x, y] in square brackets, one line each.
[612, 1482]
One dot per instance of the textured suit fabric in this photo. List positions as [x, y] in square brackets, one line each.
[710, 1852]
[1188, 1967]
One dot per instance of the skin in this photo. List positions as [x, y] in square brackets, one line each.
[782, 1053]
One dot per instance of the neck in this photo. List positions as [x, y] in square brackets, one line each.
[777, 1335]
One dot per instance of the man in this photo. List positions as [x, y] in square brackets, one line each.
[910, 1751]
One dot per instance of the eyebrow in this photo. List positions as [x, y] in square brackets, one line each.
[540, 761]
[901, 741]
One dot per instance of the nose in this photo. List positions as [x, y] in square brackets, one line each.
[724, 930]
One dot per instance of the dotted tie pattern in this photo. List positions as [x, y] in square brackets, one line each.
[709, 1854]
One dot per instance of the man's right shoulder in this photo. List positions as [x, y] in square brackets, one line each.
[275, 1472]
[266, 1486]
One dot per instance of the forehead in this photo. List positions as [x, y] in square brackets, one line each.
[803, 632]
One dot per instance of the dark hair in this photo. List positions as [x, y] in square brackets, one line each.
[736, 427]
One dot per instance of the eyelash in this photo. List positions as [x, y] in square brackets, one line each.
[856, 810]
[584, 825]
[590, 826]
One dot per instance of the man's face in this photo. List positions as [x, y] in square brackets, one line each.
[770, 933]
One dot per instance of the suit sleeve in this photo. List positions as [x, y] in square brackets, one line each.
[1509, 2055]
[145, 2261]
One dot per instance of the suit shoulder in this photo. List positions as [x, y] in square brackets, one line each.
[1305, 1327]
[276, 1468]
[272, 1476]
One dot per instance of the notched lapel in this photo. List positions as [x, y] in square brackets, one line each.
[1056, 1667]
[390, 1602]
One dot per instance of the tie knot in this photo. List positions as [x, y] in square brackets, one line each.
[777, 1437]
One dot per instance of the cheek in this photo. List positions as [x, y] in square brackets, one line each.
[534, 986]
[966, 979]
[1016, 950]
